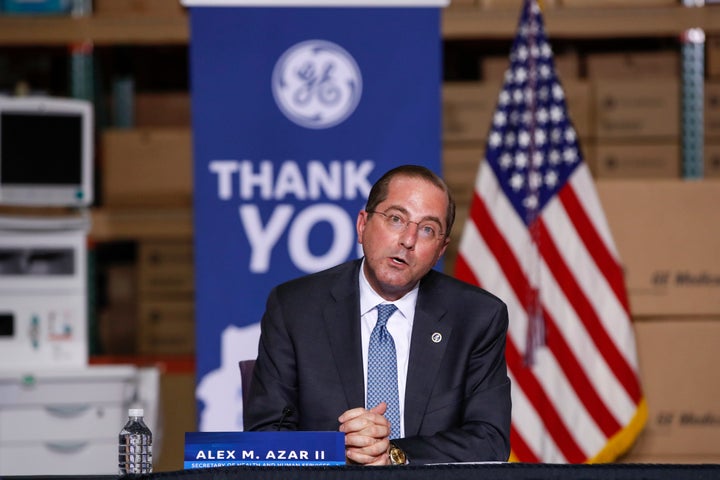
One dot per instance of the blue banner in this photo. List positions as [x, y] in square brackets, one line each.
[296, 112]
[224, 449]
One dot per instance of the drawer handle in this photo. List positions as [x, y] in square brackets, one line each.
[66, 447]
[67, 411]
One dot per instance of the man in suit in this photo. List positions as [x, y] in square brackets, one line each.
[447, 337]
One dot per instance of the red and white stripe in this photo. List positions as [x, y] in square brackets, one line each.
[582, 388]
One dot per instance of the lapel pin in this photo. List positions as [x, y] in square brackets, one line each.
[436, 337]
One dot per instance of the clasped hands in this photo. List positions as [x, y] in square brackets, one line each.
[367, 435]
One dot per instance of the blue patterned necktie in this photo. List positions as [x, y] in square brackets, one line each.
[382, 384]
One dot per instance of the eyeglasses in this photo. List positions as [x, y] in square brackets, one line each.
[396, 222]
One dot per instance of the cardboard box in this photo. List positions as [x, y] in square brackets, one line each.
[678, 359]
[178, 415]
[648, 160]
[166, 268]
[110, 224]
[617, 3]
[460, 169]
[168, 109]
[117, 329]
[712, 160]
[634, 110]
[633, 65]
[147, 167]
[711, 106]
[633, 457]
[667, 235]
[578, 97]
[712, 54]
[468, 108]
[166, 327]
[121, 284]
[588, 150]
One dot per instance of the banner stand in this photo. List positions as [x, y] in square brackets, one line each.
[298, 107]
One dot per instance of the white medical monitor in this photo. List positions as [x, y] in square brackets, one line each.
[46, 151]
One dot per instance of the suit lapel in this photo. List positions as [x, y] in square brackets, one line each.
[426, 353]
[342, 323]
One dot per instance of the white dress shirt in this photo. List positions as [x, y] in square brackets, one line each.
[400, 327]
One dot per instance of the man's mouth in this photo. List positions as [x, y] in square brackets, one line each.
[398, 260]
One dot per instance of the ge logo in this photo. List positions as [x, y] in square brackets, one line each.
[317, 84]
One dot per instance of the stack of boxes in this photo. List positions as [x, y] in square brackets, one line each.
[147, 171]
[667, 236]
[166, 306]
[117, 319]
[712, 109]
[616, 3]
[467, 113]
[636, 109]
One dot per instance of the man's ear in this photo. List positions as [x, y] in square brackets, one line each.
[360, 225]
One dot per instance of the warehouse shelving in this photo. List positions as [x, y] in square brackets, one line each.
[458, 22]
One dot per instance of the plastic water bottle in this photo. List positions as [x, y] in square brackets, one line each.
[135, 445]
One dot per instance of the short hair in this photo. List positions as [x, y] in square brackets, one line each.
[379, 191]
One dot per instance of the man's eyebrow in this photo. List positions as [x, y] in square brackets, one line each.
[426, 218]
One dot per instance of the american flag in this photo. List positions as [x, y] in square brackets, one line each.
[537, 237]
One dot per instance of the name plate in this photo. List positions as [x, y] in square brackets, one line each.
[224, 449]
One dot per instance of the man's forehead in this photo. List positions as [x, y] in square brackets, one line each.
[401, 198]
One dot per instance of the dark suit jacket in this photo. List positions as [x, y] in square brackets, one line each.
[457, 399]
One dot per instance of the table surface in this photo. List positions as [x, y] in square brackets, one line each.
[464, 471]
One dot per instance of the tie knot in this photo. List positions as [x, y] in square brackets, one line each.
[384, 312]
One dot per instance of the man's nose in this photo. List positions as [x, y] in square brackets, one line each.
[409, 236]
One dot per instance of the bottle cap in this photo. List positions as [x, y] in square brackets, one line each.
[136, 412]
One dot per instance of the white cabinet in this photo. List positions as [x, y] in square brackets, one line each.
[64, 422]
[48, 458]
[43, 293]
